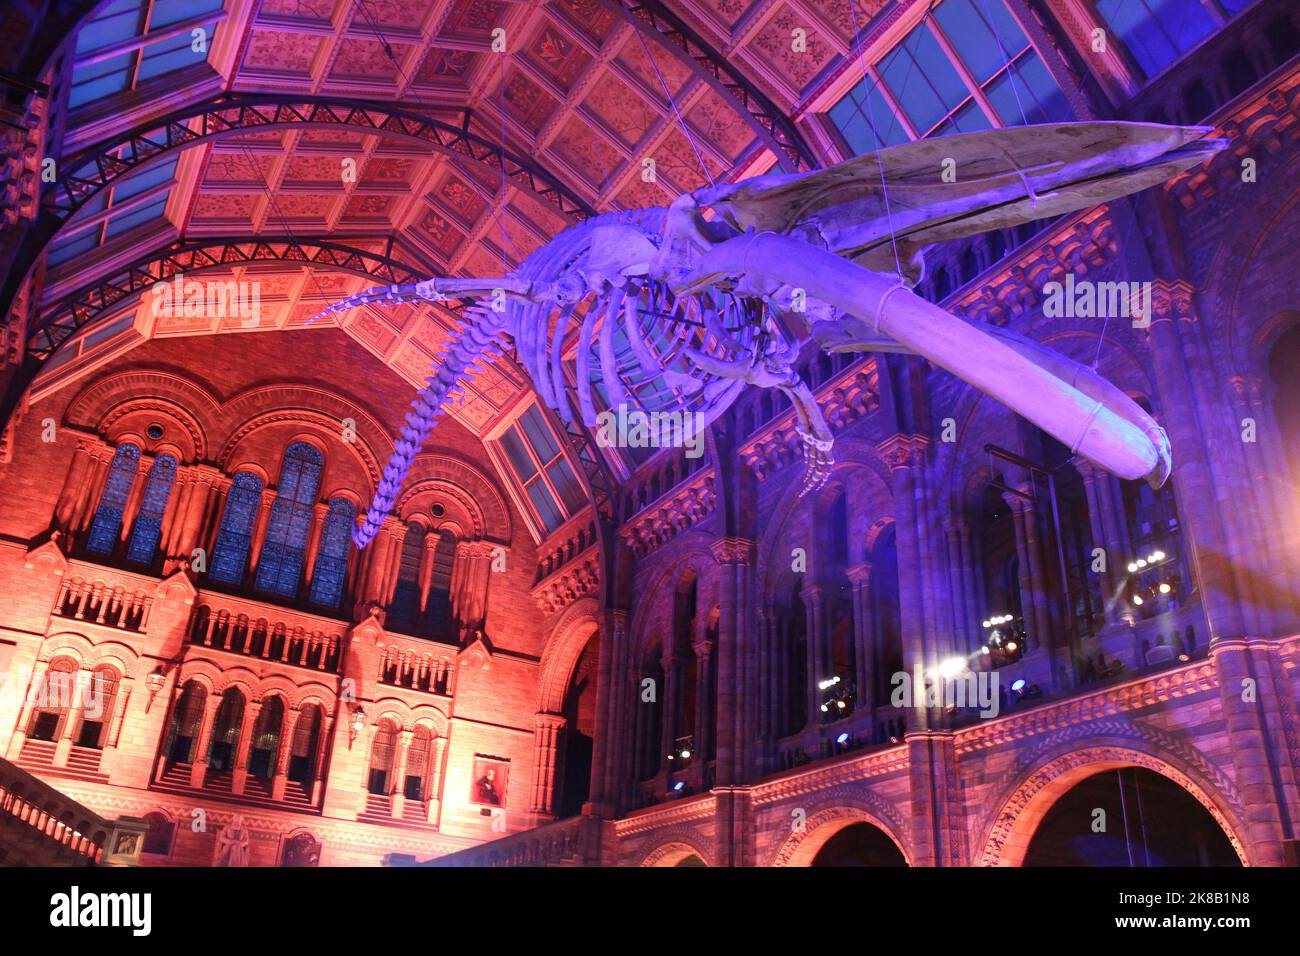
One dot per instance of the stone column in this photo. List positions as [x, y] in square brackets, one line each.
[280, 770]
[469, 598]
[905, 455]
[74, 486]
[259, 530]
[240, 777]
[323, 746]
[817, 648]
[143, 466]
[435, 780]
[609, 749]
[199, 768]
[863, 651]
[704, 703]
[318, 513]
[547, 729]
[398, 785]
[80, 688]
[101, 457]
[672, 692]
[1100, 521]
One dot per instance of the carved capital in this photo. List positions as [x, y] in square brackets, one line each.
[738, 551]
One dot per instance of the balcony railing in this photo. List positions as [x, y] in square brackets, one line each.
[251, 629]
[40, 826]
[106, 596]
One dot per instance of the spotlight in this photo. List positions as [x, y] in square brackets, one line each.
[985, 650]
[825, 708]
[1157, 556]
[1164, 587]
[1141, 562]
[679, 785]
[1011, 646]
[840, 704]
[1132, 566]
[1018, 685]
[952, 667]
[987, 624]
[686, 755]
[1137, 599]
[842, 739]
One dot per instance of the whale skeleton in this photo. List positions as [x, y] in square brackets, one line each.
[678, 308]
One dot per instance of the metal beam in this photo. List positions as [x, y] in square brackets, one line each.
[92, 300]
[96, 168]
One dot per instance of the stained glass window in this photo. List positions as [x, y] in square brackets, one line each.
[148, 523]
[235, 539]
[332, 557]
[279, 566]
[107, 523]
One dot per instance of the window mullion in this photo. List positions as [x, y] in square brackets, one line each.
[967, 77]
[888, 96]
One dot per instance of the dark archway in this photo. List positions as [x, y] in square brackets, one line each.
[578, 737]
[859, 844]
[1129, 817]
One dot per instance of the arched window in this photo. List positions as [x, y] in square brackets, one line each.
[381, 758]
[225, 732]
[421, 602]
[265, 744]
[280, 565]
[234, 540]
[418, 756]
[331, 569]
[403, 611]
[439, 603]
[97, 708]
[302, 752]
[161, 834]
[187, 720]
[107, 523]
[148, 523]
[55, 696]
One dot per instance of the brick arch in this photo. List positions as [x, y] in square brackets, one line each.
[673, 852]
[696, 558]
[834, 815]
[299, 405]
[474, 489]
[1007, 839]
[391, 707]
[464, 518]
[76, 646]
[571, 633]
[431, 718]
[105, 402]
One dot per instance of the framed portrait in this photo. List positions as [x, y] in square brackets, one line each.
[489, 781]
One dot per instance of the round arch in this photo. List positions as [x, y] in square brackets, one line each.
[674, 853]
[572, 632]
[1014, 825]
[800, 849]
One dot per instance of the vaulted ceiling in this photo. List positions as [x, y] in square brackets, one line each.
[571, 87]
